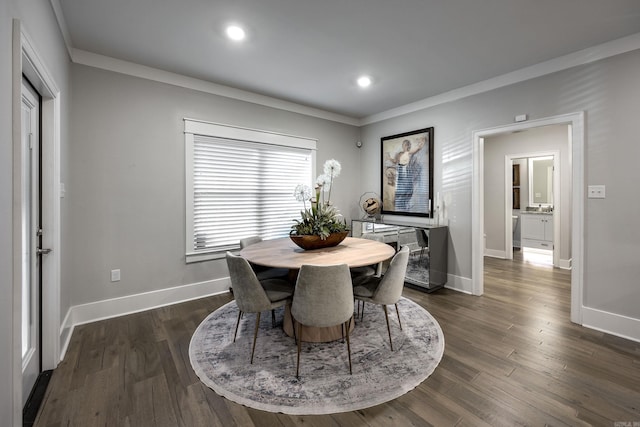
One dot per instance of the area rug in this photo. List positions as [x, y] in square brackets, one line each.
[324, 386]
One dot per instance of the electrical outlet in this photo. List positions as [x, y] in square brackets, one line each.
[596, 192]
[115, 275]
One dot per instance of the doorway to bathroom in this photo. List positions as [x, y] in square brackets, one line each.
[536, 209]
[575, 172]
[527, 195]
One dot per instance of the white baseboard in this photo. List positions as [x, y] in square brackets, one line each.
[66, 330]
[565, 264]
[611, 323]
[458, 283]
[493, 253]
[106, 309]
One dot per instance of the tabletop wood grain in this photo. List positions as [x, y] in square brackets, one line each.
[283, 253]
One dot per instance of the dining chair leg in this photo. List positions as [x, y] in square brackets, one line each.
[255, 335]
[362, 314]
[299, 348]
[293, 327]
[237, 324]
[273, 318]
[346, 324]
[342, 331]
[386, 316]
[398, 313]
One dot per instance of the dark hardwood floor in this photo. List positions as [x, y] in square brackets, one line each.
[512, 357]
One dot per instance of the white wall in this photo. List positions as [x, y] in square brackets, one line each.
[543, 139]
[38, 19]
[609, 93]
[126, 189]
[6, 249]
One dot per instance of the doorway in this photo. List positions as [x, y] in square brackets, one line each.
[535, 223]
[27, 63]
[576, 153]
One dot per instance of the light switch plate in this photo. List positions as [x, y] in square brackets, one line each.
[115, 275]
[596, 192]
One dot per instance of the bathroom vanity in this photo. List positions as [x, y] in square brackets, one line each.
[536, 230]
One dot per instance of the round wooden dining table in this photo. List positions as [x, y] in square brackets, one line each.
[283, 253]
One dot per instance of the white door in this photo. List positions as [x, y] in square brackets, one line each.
[31, 232]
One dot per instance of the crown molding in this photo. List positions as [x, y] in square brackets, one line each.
[124, 67]
[581, 57]
[129, 68]
[62, 24]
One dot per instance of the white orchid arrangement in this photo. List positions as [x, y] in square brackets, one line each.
[321, 218]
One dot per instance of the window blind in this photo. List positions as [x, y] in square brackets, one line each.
[243, 188]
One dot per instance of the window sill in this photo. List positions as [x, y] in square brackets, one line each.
[207, 256]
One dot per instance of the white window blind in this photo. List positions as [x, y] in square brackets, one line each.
[240, 188]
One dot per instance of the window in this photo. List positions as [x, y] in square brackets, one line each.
[240, 183]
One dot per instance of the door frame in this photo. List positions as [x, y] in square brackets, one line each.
[576, 149]
[26, 60]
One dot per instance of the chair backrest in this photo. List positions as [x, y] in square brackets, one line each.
[423, 239]
[389, 290]
[323, 295]
[247, 290]
[247, 241]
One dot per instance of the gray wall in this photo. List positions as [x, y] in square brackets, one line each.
[6, 269]
[547, 138]
[609, 92]
[126, 188]
[6, 249]
[38, 19]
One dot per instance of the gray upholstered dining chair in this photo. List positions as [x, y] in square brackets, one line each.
[261, 271]
[386, 289]
[323, 298]
[253, 295]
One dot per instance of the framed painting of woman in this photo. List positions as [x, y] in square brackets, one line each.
[407, 173]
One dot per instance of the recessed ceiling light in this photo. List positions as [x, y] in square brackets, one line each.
[364, 81]
[235, 33]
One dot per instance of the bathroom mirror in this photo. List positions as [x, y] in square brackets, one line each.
[541, 181]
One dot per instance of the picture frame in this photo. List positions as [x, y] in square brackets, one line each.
[407, 173]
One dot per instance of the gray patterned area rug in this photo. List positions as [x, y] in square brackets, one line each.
[324, 386]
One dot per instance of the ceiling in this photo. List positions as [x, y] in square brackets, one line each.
[311, 52]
